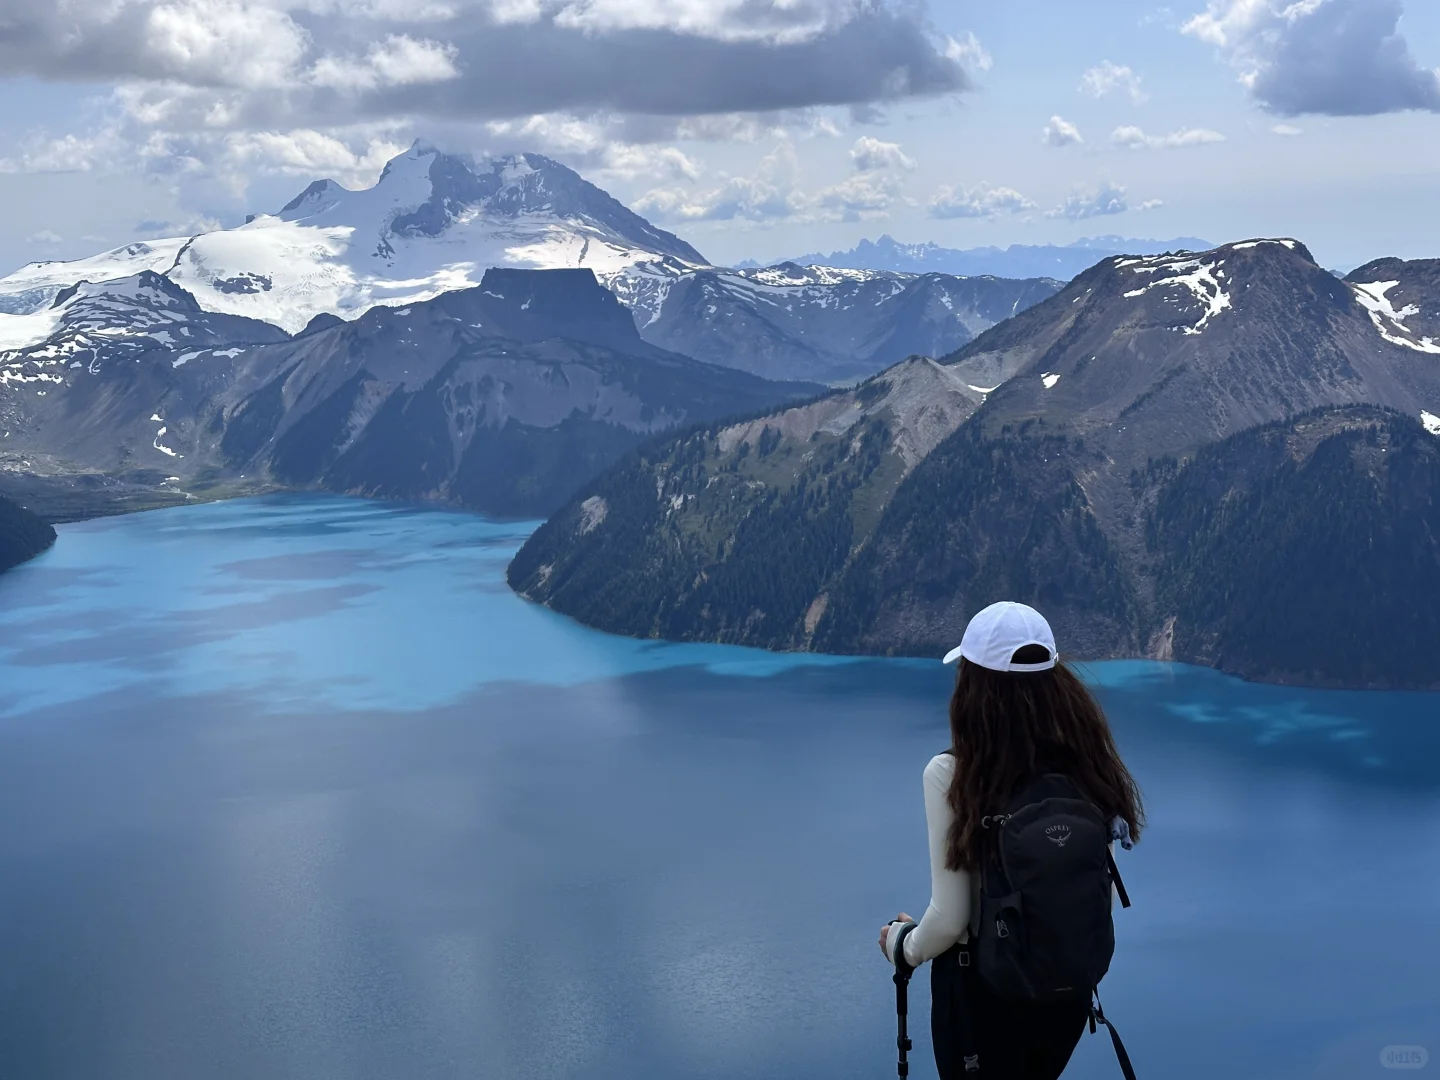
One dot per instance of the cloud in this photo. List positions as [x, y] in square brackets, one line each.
[1330, 57]
[207, 42]
[1106, 199]
[305, 153]
[48, 237]
[726, 20]
[597, 147]
[1287, 129]
[773, 193]
[968, 51]
[1108, 77]
[980, 201]
[153, 228]
[397, 61]
[869, 153]
[1151, 204]
[1135, 138]
[1060, 132]
[238, 64]
[69, 153]
[863, 197]
[767, 196]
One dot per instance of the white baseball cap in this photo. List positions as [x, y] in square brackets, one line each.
[996, 633]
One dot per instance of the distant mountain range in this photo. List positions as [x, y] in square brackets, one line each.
[1226, 457]
[1016, 261]
[814, 322]
[504, 397]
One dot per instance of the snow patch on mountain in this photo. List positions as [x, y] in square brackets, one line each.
[1431, 422]
[1256, 243]
[1200, 278]
[33, 288]
[1371, 295]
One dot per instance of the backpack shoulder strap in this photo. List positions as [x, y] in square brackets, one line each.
[1115, 876]
[1097, 1014]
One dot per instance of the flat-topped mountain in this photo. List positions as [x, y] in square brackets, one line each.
[503, 397]
[1061, 437]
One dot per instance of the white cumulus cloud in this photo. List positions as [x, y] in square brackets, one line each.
[1100, 201]
[1108, 77]
[1060, 132]
[870, 153]
[980, 201]
[968, 51]
[397, 61]
[1331, 57]
[770, 195]
[1134, 138]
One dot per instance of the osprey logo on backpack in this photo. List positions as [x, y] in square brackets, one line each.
[1058, 834]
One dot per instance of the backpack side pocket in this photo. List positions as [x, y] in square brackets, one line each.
[1002, 951]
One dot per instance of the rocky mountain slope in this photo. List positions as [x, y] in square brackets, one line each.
[22, 535]
[1065, 434]
[503, 397]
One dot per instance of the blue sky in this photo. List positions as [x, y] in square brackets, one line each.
[753, 128]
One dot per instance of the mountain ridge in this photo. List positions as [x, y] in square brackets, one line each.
[501, 397]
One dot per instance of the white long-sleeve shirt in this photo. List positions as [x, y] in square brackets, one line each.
[952, 892]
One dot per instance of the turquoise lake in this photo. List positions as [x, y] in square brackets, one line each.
[297, 788]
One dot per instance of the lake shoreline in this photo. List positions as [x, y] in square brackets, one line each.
[120, 501]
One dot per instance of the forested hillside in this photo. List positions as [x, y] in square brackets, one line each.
[22, 534]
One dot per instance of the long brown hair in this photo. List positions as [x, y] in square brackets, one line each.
[1005, 726]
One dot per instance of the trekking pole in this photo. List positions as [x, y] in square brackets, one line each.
[902, 983]
[902, 987]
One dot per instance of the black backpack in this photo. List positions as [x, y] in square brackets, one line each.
[1044, 931]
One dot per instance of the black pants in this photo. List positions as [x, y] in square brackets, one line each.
[1010, 1040]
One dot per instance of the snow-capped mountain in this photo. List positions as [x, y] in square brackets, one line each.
[1403, 299]
[93, 325]
[432, 223]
